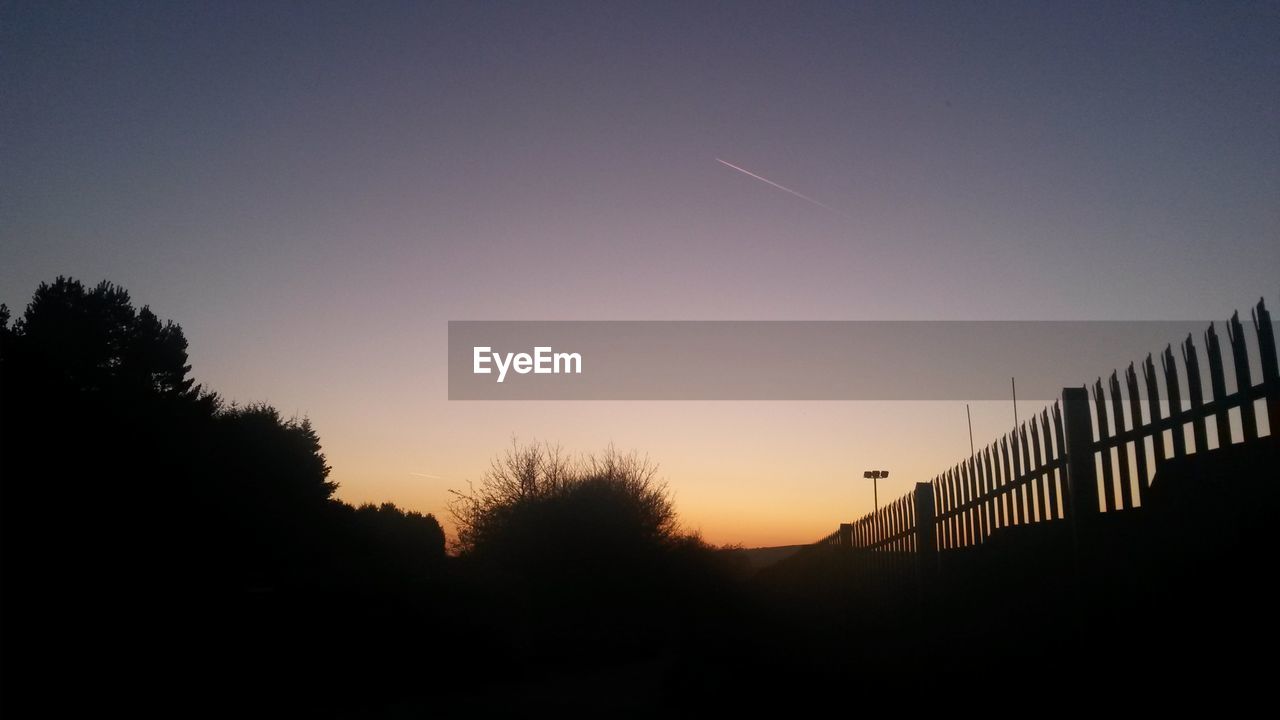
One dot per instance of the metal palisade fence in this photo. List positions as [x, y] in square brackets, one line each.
[1082, 456]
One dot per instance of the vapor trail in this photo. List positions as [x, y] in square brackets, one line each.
[780, 187]
[425, 475]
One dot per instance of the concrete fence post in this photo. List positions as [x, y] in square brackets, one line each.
[1082, 478]
[926, 544]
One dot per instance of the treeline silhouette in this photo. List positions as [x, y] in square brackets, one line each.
[146, 521]
[160, 543]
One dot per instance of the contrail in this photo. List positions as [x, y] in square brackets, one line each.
[780, 187]
[424, 475]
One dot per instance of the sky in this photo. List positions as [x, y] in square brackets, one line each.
[313, 190]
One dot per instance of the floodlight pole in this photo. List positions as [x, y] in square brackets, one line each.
[874, 476]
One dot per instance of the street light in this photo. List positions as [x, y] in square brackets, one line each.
[874, 476]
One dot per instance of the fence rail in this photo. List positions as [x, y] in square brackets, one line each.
[1082, 456]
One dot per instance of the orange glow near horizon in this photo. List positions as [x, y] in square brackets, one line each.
[755, 474]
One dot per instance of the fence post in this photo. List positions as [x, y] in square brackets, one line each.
[1270, 366]
[926, 547]
[1082, 481]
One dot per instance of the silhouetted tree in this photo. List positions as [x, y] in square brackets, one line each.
[396, 545]
[138, 511]
[409, 533]
[94, 341]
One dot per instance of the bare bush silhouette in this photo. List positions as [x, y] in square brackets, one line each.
[606, 495]
[584, 557]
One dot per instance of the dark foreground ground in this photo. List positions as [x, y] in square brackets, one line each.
[1174, 599]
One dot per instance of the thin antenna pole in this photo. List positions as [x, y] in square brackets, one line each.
[970, 417]
[1014, 383]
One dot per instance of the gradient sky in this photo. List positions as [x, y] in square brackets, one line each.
[313, 190]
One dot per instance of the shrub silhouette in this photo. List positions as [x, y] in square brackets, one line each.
[586, 554]
[535, 498]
